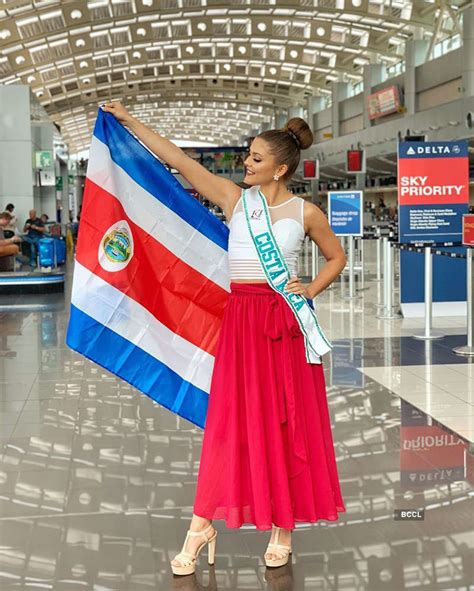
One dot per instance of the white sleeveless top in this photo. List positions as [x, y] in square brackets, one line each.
[288, 228]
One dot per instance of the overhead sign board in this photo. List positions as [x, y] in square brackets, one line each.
[383, 102]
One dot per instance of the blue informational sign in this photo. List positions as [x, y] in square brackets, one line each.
[433, 194]
[345, 212]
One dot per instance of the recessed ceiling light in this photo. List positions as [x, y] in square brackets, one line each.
[76, 14]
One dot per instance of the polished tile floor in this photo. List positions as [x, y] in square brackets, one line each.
[97, 482]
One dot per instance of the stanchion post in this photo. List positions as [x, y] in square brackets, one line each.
[387, 310]
[428, 334]
[387, 292]
[379, 259]
[352, 294]
[469, 348]
[306, 256]
[315, 260]
[361, 251]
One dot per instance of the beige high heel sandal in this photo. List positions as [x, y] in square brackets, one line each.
[282, 551]
[187, 559]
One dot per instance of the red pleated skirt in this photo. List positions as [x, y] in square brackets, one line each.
[268, 453]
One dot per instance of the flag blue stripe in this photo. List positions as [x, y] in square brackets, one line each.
[127, 152]
[140, 369]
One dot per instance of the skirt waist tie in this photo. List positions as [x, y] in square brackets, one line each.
[281, 327]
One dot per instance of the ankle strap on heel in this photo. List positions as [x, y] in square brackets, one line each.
[203, 532]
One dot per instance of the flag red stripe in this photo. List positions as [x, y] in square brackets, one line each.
[155, 277]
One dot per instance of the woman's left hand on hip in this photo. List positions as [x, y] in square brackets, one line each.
[294, 285]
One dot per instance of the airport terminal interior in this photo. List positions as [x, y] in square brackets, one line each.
[97, 480]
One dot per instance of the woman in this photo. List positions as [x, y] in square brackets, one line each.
[268, 455]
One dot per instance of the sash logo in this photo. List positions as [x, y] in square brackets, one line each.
[256, 214]
[116, 247]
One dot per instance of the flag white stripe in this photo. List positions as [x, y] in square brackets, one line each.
[129, 319]
[156, 219]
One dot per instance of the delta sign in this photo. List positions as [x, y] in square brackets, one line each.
[433, 190]
[433, 195]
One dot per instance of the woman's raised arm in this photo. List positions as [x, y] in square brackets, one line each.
[218, 190]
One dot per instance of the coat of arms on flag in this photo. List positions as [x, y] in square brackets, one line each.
[151, 276]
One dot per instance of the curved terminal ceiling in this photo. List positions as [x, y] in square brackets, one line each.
[201, 70]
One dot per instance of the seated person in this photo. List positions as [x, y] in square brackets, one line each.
[8, 246]
[47, 225]
[11, 230]
[34, 228]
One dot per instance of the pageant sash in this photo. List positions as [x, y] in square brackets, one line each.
[278, 275]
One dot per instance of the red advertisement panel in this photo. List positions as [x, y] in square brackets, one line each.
[427, 181]
[310, 169]
[468, 229]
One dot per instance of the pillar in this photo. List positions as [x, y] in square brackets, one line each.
[16, 172]
[281, 117]
[340, 91]
[314, 105]
[415, 55]
[468, 51]
[295, 112]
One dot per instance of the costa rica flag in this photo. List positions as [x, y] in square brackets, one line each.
[151, 276]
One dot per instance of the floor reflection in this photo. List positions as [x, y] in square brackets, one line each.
[277, 579]
[97, 482]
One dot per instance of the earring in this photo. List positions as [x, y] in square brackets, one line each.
[276, 177]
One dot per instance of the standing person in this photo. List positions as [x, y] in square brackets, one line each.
[34, 228]
[268, 455]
